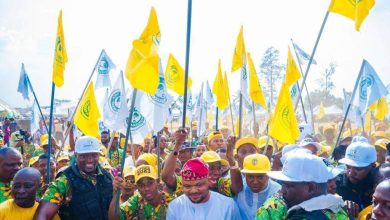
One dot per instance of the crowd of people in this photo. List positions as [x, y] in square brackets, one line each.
[178, 175]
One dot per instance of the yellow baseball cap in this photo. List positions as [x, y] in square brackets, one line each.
[246, 140]
[145, 171]
[32, 161]
[149, 158]
[263, 141]
[210, 157]
[214, 134]
[380, 134]
[116, 135]
[62, 157]
[382, 143]
[128, 171]
[256, 163]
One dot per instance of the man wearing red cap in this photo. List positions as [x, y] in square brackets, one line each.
[198, 201]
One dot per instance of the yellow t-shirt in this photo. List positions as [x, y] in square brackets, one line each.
[9, 210]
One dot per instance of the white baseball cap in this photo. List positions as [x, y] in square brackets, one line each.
[87, 144]
[334, 172]
[359, 154]
[309, 141]
[302, 167]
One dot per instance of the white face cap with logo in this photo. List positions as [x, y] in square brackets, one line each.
[302, 167]
[359, 153]
[87, 144]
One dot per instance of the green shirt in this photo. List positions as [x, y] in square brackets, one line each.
[273, 208]
[59, 192]
[115, 157]
[137, 207]
[224, 186]
[5, 191]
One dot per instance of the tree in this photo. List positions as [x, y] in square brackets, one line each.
[271, 69]
[326, 83]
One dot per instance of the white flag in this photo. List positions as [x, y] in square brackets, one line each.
[115, 108]
[34, 118]
[105, 64]
[156, 108]
[139, 124]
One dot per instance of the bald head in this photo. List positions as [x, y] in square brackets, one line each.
[381, 199]
[24, 187]
[30, 173]
[8, 150]
[10, 163]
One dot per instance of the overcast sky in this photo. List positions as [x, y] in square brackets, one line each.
[28, 29]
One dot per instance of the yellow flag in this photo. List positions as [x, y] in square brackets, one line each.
[357, 10]
[87, 114]
[218, 89]
[227, 91]
[152, 29]
[284, 126]
[321, 114]
[175, 76]
[239, 59]
[142, 68]
[381, 109]
[255, 91]
[292, 71]
[60, 56]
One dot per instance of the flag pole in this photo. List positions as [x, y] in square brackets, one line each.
[216, 118]
[110, 143]
[267, 128]
[231, 116]
[349, 106]
[299, 89]
[311, 57]
[189, 12]
[53, 87]
[82, 94]
[158, 156]
[240, 117]
[39, 107]
[128, 134]
[254, 117]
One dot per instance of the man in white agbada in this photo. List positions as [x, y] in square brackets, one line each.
[198, 202]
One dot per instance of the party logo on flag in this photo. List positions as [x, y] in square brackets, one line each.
[115, 100]
[365, 83]
[86, 109]
[58, 56]
[285, 119]
[160, 96]
[137, 122]
[103, 66]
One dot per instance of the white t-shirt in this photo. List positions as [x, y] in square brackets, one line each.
[218, 207]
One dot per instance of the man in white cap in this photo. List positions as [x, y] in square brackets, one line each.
[82, 191]
[356, 186]
[304, 178]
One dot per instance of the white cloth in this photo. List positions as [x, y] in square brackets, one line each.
[329, 201]
[248, 202]
[218, 207]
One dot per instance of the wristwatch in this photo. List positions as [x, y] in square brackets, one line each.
[175, 153]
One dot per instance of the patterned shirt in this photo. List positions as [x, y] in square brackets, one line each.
[115, 157]
[137, 207]
[59, 192]
[224, 186]
[273, 208]
[5, 191]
